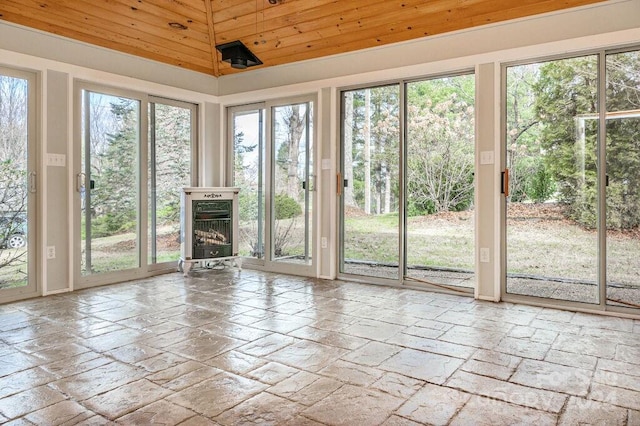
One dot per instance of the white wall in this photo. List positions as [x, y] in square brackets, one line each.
[60, 62]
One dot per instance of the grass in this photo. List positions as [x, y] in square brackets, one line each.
[118, 252]
[545, 247]
[441, 243]
[372, 238]
[535, 246]
[14, 274]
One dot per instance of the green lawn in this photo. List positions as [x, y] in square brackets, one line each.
[545, 247]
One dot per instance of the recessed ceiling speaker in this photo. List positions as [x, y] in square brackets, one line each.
[238, 55]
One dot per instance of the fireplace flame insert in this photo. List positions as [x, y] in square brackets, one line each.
[209, 227]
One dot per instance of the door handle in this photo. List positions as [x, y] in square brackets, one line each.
[505, 182]
[32, 182]
[80, 178]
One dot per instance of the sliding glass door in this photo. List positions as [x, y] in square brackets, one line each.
[249, 160]
[172, 142]
[273, 165]
[623, 178]
[551, 155]
[407, 185]
[135, 153]
[370, 201]
[440, 156]
[17, 184]
[573, 161]
[109, 183]
[292, 183]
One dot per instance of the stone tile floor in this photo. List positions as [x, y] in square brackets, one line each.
[244, 347]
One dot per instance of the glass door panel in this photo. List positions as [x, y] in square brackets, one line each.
[623, 179]
[110, 177]
[292, 183]
[17, 185]
[440, 159]
[248, 131]
[551, 155]
[370, 202]
[172, 130]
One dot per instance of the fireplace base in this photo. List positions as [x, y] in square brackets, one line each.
[185, 266]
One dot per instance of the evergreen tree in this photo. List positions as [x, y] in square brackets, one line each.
[115, 193]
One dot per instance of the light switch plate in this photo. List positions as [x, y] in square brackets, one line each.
[56, 160]
[486, 157]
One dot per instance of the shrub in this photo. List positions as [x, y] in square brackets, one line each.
[540, 185]
[286, 207]
[247, 206]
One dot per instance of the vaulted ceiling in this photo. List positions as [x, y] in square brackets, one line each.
[185, 32]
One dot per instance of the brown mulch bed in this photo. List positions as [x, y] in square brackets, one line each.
[164, 242]
[535, 211]
[350, 212]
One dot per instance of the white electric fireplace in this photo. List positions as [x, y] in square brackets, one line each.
[208, 227]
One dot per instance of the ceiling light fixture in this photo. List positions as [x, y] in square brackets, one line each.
[238, 55]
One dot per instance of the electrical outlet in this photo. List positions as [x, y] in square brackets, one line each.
[323, 242]
[51, 252]
[484, 255]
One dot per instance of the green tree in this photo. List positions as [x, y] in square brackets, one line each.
[172, 159]
[114, 196]
[13, 178]
[623, 142]
[13, 211]
[440, 145]
[372, 166]
[525, 158]
[565, 91]
[567, 106]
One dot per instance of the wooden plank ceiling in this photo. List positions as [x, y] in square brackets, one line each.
[185, 32]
